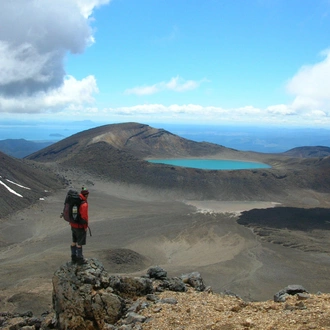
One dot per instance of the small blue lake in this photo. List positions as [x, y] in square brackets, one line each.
[211, 164]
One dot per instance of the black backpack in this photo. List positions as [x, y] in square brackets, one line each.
[71, 208]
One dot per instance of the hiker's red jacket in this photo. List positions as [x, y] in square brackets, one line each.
[83, 211]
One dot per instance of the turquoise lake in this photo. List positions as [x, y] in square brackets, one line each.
[211, 164]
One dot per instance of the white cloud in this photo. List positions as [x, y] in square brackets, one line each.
[194, 113]
[143, 90]
[280, 109]
[32, 51]
[311, 86]
[87, 6]
[71, 94]
[318, 113]
[175, 84]
[248, 110]
[72, 91]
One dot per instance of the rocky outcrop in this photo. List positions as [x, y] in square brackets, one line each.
[87, 297]
[83, 299]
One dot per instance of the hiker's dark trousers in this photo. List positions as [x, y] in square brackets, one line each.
[79, 236]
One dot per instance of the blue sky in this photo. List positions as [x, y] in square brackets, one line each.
[264, 62]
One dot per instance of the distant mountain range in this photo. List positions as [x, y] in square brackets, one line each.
[21, 148]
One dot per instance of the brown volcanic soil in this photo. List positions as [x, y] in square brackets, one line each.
[202, 310]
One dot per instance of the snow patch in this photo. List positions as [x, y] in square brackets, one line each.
[10, 190]
[17, 184]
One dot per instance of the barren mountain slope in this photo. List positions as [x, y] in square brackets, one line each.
[304, 152]
[22, 183]
[140, 140]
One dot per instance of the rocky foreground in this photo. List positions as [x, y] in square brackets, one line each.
[86, 297]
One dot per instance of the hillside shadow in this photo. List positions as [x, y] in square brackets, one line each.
[290, 218]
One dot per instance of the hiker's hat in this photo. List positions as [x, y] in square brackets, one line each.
[84, 191]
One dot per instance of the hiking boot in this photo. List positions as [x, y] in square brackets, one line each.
[81, 261]
[73, 254]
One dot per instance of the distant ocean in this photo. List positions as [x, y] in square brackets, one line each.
[252, 138]
[245, 138]
[42, 132]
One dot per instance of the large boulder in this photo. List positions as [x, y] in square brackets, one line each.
[87, 297]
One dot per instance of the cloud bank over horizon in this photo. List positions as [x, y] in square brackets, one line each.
[34, 81]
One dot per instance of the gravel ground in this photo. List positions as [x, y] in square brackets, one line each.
[202, 310]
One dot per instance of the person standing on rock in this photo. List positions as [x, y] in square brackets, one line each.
[79, 231]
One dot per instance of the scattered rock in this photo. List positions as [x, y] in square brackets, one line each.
[195, 280]
[171, 301]
[303, 296]
[15, 321]
[157, 272]
[134, 318]
[289, 290]
[152, 297]
[174, 284]
[157, 309]
[130, 287]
